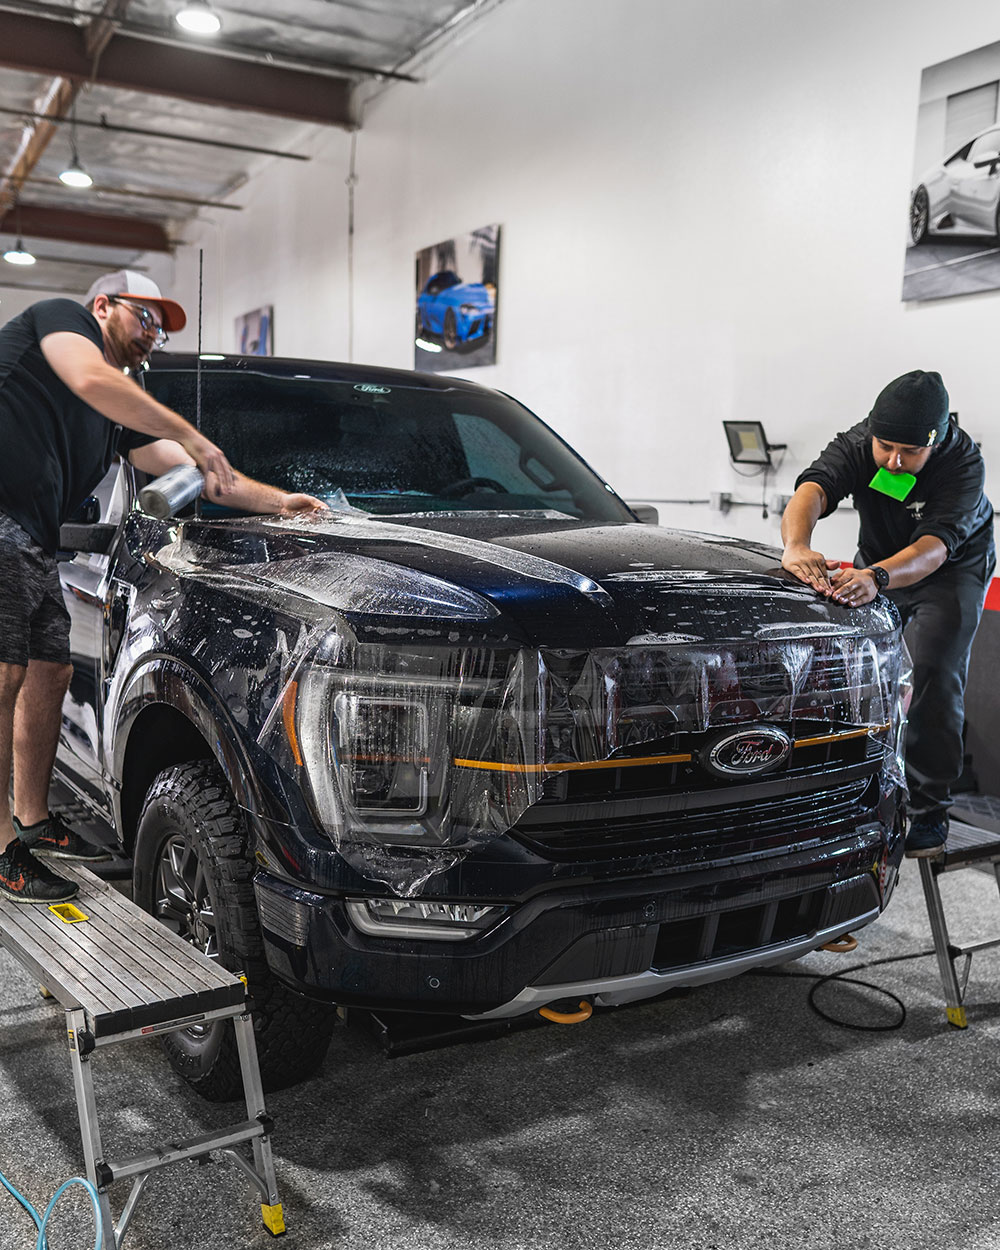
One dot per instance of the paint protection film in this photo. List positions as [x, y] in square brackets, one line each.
[413, 757]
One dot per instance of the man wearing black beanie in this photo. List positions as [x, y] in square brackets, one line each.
[926, 539]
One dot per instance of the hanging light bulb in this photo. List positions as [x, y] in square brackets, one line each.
[74, 175]
[17, 255]
[199, 18]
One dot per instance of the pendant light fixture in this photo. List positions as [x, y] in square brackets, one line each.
[18, 255]
[74, 175]
[198, 17]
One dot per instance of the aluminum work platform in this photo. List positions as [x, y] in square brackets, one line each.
[968, 845]
[120, 975]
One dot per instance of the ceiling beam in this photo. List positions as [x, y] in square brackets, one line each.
[42, 46]
[99, 229]
[61, 100]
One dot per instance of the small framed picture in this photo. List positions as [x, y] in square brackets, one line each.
[255, 332]
[456, 311]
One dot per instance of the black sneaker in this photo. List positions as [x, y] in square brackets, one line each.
[54, 839]
[24, 879]
[927, 836]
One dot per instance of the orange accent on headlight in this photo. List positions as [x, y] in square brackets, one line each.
[288, 720]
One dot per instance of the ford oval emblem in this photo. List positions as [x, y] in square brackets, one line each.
[747, 752]
[370, 388]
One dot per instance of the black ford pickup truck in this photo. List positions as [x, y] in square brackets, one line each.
[475, 741]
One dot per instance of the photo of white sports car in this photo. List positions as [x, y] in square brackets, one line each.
[960, 193]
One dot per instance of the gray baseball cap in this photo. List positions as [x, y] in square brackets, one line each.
[132, 285]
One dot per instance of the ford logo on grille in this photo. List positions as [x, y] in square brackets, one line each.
[746, 752]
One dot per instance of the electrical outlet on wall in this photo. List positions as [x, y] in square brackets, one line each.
[720, 501]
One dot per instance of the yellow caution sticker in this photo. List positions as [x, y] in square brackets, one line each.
[274, 1221]
[67, 913]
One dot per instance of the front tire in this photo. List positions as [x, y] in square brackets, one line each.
[450, 335]
[194, 872]
[920, 213]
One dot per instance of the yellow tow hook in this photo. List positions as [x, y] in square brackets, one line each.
[568, 1017]
[842, 945]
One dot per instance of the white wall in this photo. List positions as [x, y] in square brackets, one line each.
[13, 300]
[703, 206]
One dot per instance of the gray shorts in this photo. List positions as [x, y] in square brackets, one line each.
[34, 623]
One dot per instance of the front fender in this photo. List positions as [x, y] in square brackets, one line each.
[142, 736]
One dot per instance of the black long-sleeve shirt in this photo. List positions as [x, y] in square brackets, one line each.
[947, 500]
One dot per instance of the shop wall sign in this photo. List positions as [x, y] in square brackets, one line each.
[456, 302]
[953, 244]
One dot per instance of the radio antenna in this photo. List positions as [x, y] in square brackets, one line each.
[197, 368]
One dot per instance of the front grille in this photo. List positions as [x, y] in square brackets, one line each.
[702, 834]
[587, 785]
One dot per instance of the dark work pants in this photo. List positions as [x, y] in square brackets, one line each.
[940, 616]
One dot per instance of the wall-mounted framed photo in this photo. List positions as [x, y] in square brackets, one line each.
[456, 302]
[255, 332]
[953, 246]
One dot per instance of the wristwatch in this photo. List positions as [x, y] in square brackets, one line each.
[880, 574]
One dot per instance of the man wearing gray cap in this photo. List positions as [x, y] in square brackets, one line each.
[926, 539]
[68, 404]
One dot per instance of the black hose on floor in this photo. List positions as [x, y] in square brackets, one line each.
[843, 976]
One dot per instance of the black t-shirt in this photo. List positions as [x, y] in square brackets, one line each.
[55, 448]
[946, 501]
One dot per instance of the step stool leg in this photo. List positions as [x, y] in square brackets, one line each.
[939, 929]
[271, 1212]
[90, 1132]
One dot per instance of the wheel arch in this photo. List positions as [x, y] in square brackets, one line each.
[170, 715]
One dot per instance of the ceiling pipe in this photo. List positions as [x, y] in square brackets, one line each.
[102, 189]
[104, 124]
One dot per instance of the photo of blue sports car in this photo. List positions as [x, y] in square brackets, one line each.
[459, 312]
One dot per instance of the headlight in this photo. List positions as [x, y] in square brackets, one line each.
[391, 744]
[383, 749]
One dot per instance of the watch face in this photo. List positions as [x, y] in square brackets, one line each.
[881, 576]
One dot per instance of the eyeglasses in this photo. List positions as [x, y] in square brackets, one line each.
[144, 317]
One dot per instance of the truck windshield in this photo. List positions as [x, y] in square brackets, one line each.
[389, 449]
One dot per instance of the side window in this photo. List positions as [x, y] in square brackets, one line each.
[986, 145]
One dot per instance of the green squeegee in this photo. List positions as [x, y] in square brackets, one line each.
[895, 485]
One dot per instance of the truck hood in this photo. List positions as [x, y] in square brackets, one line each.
[542, 579]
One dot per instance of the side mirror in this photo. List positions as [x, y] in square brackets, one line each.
[992, 160]
[75, 536]
[646, 513]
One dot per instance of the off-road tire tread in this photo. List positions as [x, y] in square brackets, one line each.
[292, 1032]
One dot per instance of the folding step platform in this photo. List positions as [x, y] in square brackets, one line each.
[121, 975]
[968, 845]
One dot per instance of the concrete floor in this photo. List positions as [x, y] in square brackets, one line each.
[731, 1117]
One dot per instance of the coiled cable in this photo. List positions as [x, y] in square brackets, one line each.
[42, 1220]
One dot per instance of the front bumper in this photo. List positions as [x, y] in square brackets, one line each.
[619, 940]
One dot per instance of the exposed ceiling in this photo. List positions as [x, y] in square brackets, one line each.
[169, 123]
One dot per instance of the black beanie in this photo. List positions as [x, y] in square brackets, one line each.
[912, 409]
